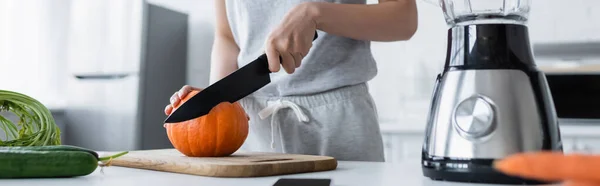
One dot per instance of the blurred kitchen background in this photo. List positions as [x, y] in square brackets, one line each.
[106, 68]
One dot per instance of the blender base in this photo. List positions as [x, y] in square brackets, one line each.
[470, 171]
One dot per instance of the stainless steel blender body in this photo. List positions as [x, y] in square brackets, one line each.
[490, 108]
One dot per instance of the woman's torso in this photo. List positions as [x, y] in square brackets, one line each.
[332, 62]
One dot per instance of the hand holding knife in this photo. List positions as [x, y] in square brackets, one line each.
[232, 88]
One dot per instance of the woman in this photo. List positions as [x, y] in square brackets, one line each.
[320, 105]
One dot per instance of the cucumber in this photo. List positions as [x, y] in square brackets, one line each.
[51, 148]
[46, 164]
[49, 161]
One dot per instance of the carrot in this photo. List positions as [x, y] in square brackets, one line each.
[579, 183]
[552, 166]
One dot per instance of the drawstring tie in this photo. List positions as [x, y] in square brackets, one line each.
[272, 110]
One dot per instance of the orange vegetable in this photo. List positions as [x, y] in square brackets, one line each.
[576, 183]
[221, 132]
[581, 169]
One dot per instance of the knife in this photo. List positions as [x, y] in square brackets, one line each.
[232, 88]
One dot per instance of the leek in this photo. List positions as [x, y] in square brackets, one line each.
[35, 126]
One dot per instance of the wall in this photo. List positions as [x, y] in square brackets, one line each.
[565, 21]
[32, 42]
[407, 69]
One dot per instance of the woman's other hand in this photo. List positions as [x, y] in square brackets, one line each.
[291, 39]
[177, 96]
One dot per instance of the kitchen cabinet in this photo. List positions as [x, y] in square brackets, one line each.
[391, 147]
[57, 114]
[104, 36]
[583, 145]
[59, 119]
[582, 138]
[591, 145]
[91, 113]
[404, 143]
[402, 146]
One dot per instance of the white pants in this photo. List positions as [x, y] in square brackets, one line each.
[341, 123]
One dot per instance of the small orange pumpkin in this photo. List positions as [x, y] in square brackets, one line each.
[219, 133]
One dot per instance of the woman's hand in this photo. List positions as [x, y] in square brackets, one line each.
[182, 93]
[292, 39]
[177, 96]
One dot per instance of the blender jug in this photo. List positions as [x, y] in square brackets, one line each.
[465, 12]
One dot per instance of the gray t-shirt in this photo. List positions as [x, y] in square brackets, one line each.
[333, 61]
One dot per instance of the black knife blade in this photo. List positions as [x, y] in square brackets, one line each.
[232, 88]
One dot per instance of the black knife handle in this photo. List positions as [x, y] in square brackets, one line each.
[264, 56]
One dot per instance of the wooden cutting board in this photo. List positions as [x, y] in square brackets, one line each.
[240, 164]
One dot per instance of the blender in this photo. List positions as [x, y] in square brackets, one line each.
[490, 101]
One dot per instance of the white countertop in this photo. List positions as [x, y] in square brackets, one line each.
[347, 174]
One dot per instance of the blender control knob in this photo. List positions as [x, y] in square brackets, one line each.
[474, 117]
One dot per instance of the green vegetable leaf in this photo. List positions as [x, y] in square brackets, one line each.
[35, 125]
